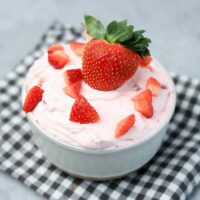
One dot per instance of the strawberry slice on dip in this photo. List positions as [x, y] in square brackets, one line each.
[77, 47]
[124, 125]
[73, 90]
[143, 103]
[83, 112]
[73, 79]
[58, 59]
[154, 86]
[55, 47]
[33, 97]
[73, 75]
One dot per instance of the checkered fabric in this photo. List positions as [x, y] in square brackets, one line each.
[172, 174]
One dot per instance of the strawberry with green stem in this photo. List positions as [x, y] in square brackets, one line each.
[111, 58]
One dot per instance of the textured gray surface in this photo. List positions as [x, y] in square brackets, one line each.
[172, 25]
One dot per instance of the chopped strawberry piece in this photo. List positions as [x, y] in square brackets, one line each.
[77, 47]
[124, 125]
[55, 47]
[154, 86]
[143, 62]
[58, 59]
[82, 112]
[143, 103]
[73, 75]
[73, 90]
[33, 97]
[146, 94]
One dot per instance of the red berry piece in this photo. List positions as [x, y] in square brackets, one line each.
[73, 75]
[58, 59]
[82, 112]
[55, 47]
[77, 47]
[143, 103]
[154, 86]
[73, 90]
[33, 97]
[124, 126]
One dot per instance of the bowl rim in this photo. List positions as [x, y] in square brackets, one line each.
[111, 150]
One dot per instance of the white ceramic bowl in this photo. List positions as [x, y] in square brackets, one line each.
[102, 164]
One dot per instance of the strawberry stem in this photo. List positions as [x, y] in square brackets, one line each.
[118, 33]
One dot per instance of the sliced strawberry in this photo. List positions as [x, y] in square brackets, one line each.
[58, 59]
[77, 47]
[82, 112]
[55, 47]
[143, 103]
[154, 86]
[143, 62]
[73, 90]
[124, 125]
[33, 97]
[73, 75]
[146, 94]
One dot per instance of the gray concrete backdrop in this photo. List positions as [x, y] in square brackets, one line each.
[172, 25]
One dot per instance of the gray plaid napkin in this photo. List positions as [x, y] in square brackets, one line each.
[172, 174]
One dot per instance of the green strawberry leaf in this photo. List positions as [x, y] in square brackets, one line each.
[118, 31]
[94, 27]
[138, 44]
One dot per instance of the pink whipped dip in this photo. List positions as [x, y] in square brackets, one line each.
[51, 115]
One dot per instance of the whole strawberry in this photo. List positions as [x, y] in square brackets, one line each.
[107, 66]
[111, 58]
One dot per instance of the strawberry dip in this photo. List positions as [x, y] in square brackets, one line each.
[52, 113]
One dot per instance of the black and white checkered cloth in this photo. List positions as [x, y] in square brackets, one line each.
[172, 174]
